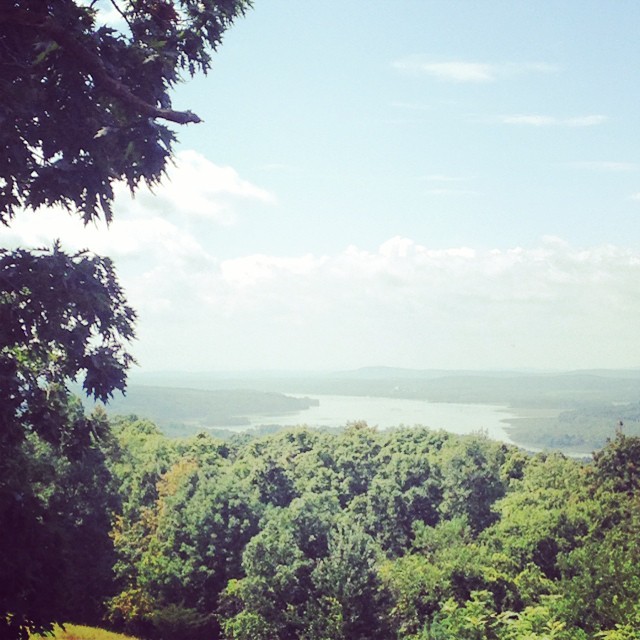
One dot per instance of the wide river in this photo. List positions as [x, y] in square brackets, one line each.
[336, 411]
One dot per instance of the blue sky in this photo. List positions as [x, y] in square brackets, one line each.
[448, 122]
[416, 183]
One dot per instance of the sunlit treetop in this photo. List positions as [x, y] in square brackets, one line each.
[85, 94]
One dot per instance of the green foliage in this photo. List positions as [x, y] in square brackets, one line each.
[323, 511]
[186, 518]
[618, 464]
[474, 620]
[61, 316]
[545, 514]
[56, 501]
[305, 574]
[600, 576]
[477, 619]
[406, 488]
[348, 576]
[472, 480]
[272, 538]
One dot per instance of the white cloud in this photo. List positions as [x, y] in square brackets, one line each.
[462, 71]
[143, 241]
[536, 121]
[194, 187]
[256, 269]
[585, 121]
[154, 237]
[605, 165]
[443, 191]
[453, 71]
[151, 221]
[546, 121]
[408, 304]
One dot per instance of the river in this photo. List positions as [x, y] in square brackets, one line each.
[336, 411]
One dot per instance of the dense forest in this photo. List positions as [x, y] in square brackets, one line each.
[407, 533]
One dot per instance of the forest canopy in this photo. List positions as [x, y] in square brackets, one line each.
[408, 533]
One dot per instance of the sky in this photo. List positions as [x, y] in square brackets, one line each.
[417, 183]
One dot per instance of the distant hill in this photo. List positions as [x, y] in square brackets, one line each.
[380, 373]
[204, 408]
[555, 391]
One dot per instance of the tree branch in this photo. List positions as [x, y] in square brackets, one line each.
[121, 12]
[95, 66]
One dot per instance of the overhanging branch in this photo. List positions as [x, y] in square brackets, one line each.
[93, 63]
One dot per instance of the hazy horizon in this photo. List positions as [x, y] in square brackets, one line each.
[379, 370]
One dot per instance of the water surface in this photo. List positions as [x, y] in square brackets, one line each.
[384, 413]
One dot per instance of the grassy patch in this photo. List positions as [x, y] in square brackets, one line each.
[77, 632]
